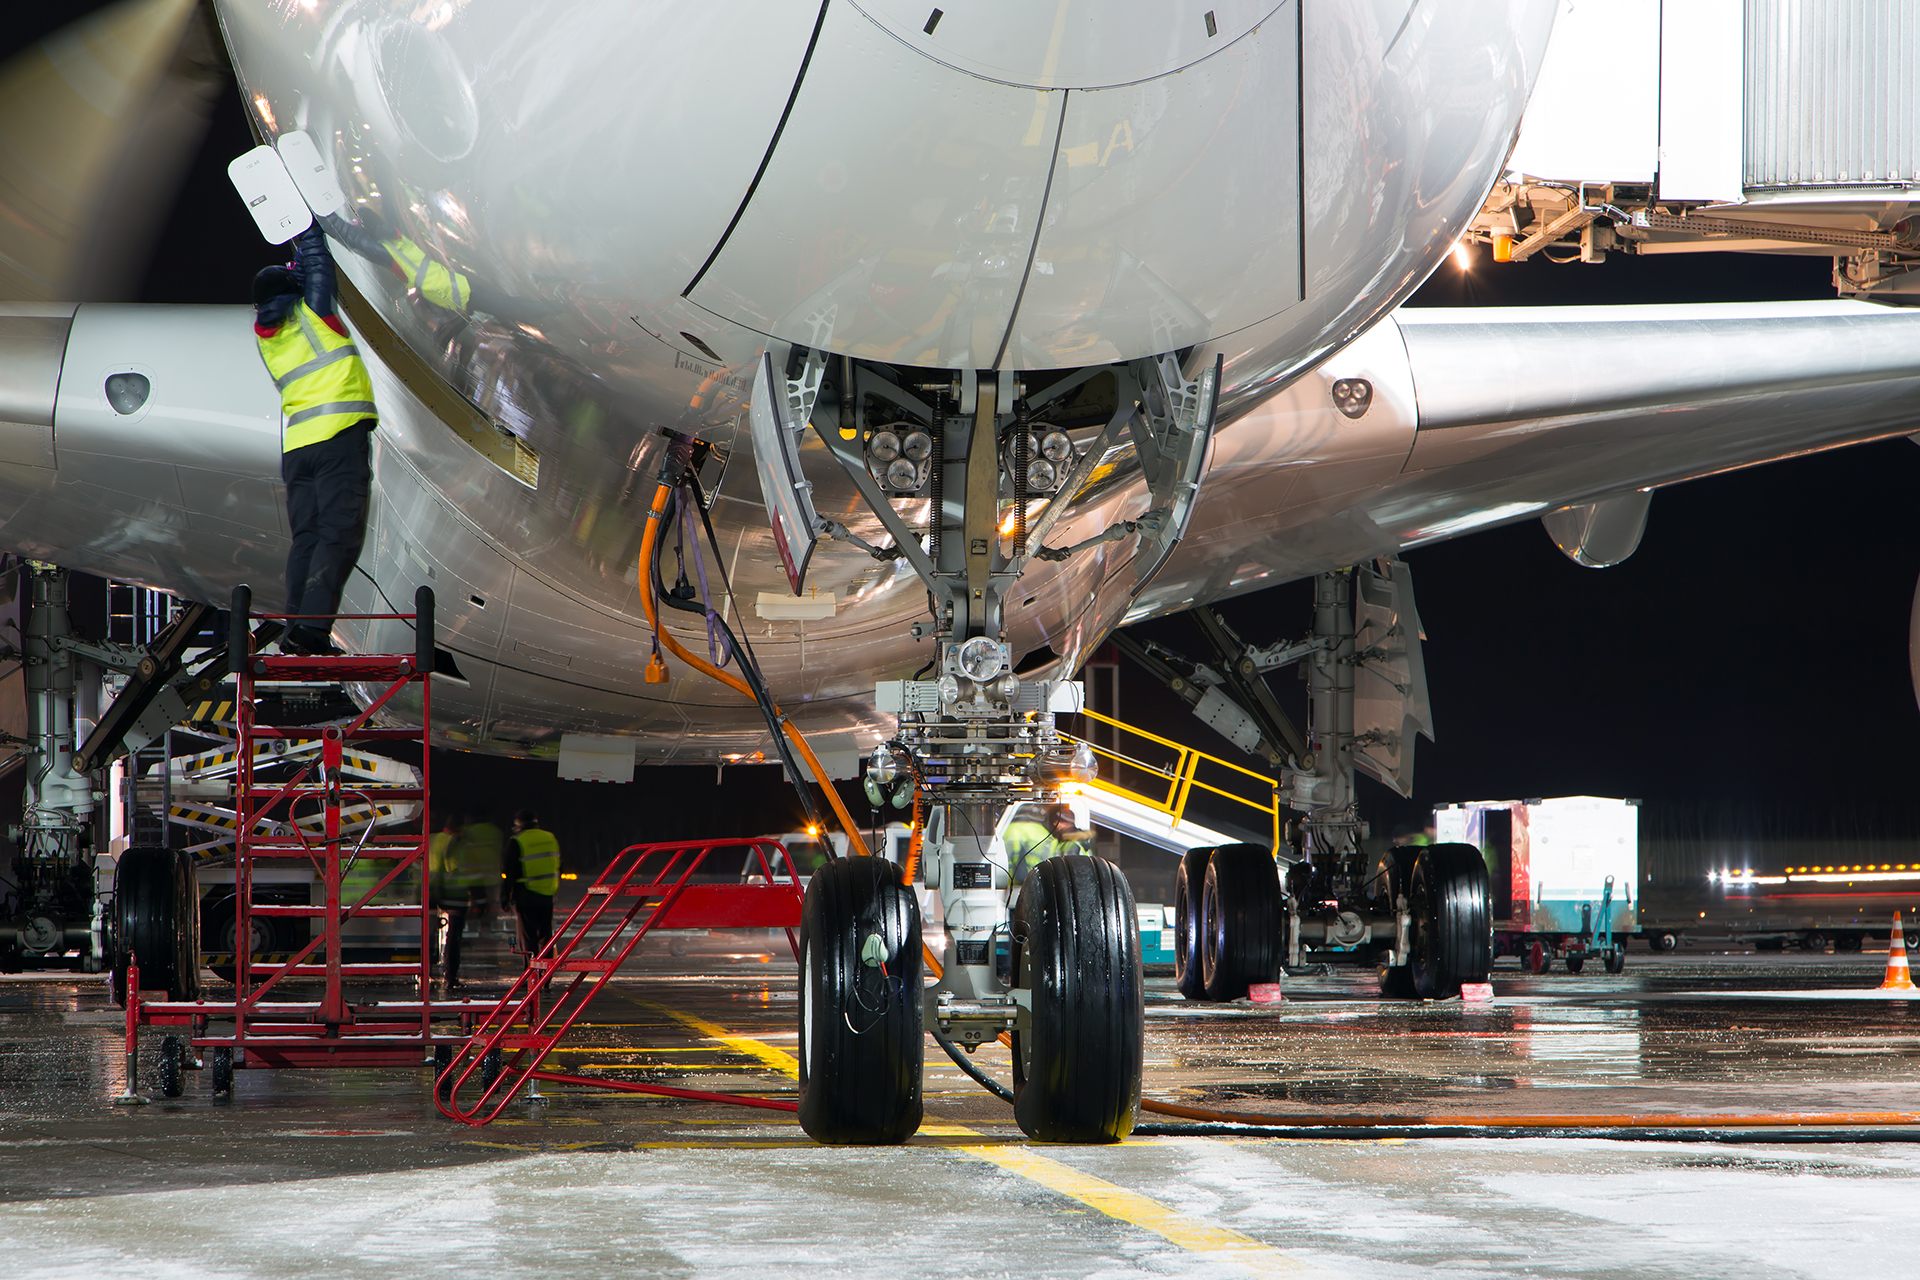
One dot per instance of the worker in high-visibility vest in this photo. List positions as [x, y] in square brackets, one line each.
[326, 399]
[449, 892]
[532, 872]
[1039, 832]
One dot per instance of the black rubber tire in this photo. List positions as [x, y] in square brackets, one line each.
[1815, 942]
[1616, 961]
[1663, 942]
[220, 1069]
[492, 1063]
[1576, 963]
[1189, 885]
[1076, 1072]
[1389, 881]
[1848, 942]
[442, 1059]
[156, 921]
[218, 925]
[1452, 910]
[1242, 921]
[173, 1067]
[1538, 959]
[862, 1049]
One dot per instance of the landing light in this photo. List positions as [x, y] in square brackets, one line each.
[1462, 258]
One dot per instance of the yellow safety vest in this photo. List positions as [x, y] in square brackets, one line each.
[439, 866]
[1031, 843]
[433, 281]
[324, 387]
[475, 857]
[539, 861]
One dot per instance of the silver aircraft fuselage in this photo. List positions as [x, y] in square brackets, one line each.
[646, 195]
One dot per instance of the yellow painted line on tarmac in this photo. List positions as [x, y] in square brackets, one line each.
[779, 1059]
[1196, 1235]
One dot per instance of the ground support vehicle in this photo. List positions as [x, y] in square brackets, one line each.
[1565, 870]
[357, 878]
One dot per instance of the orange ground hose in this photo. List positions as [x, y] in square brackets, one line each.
[1763, 1120]
[855, 844]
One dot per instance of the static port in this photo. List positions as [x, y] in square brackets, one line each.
[478, 602]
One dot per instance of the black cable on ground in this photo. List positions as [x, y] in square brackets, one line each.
[965, 1063]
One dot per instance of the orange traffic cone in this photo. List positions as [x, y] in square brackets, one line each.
[1898, 978]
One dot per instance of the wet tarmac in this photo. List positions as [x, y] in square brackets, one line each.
[354, 1173]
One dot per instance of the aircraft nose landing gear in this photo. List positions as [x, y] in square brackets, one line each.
[1063, 974]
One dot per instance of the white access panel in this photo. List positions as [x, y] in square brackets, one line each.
[1571, 133]
[1575, 843]
[1701, 111]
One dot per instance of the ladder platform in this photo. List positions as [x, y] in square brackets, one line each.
[330, 669]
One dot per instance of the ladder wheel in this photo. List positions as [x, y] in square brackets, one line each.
[1539, 960]
[1576, 963]
[173, 1067]
[1188, 885]
[156, 922]
[1076, 1073]
[220, 1067]
[861, 1043]
[1241, 921]
[1616, 961]
[1452, 914]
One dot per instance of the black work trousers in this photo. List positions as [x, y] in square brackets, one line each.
[327, 486]
[536, 919]
[456, 930]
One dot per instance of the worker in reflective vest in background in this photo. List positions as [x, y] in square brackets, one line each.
[533, 877]
[449, 892]
[326, 398]
[1039, 832]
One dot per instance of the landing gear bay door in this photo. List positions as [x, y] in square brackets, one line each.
[1390, 678]
[776, 422]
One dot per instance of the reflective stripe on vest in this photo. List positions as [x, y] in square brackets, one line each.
[539, 861]
[431, 280]
[324, 388]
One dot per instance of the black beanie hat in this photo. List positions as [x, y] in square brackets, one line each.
[271, 283]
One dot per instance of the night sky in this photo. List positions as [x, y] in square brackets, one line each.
[1749, 661]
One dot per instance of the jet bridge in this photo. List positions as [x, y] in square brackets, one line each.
[1773, 126]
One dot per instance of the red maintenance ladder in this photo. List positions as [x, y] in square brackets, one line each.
[251, 1030]
[645, 887]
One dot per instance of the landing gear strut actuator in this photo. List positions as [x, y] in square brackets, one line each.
[1000, 460]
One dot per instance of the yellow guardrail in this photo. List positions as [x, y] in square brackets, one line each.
[1174, 782]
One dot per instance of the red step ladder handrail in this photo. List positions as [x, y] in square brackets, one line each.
[671, 867]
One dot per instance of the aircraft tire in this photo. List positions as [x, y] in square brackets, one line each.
[1076, 1071]
[861, 1043]
[156, 921]
[1448, 898]
[1389, 881]
[1188, 887]
[1242, 921]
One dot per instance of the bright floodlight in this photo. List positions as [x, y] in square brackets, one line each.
[1462, 258]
